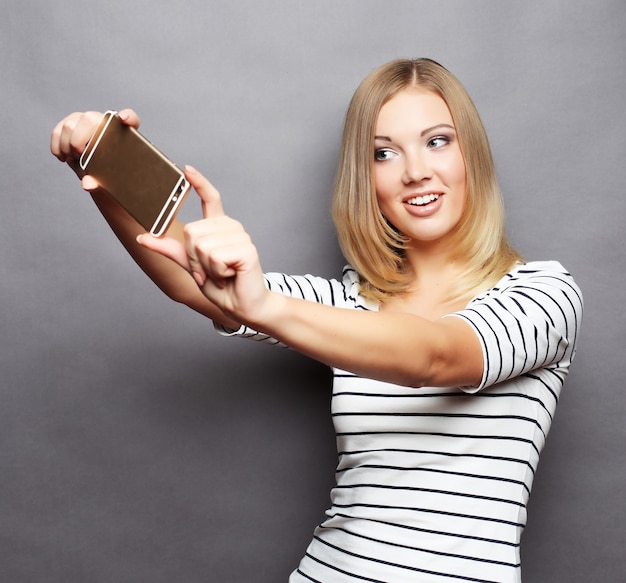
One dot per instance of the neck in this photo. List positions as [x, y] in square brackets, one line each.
[433, 291]
[433, 264]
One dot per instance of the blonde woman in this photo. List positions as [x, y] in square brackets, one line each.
[448, 350]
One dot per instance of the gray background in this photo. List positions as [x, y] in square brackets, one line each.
[136, 444]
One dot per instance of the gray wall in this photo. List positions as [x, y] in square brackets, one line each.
[136, 444]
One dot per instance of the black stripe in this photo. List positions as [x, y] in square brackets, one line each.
[483, 539]
[434, 471]
[523, 462]
[431, 491]
[423, 550]
[380, 561]
[442, 415]
[431, 511]
[440, 434]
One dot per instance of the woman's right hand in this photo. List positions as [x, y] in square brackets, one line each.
[175, 258]
[70, 136]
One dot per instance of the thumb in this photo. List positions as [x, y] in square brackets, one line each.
[166, 246]
[89, 183]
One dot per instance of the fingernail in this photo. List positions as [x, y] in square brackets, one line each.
[189, 168]
[89, 183]
[139, 239]
[199, 277]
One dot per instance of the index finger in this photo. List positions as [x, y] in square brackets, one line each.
[209, 195]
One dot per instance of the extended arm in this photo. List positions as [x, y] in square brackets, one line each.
[389, 346]
[173, 280]
[212, 266]
[68, 140]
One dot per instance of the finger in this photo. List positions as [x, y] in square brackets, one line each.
[129, 117]
[166, 246]
[83, 130]
[192, 232]
[59, 140]
[209, 195]
[221, 262]
[89, 183]
[70, 136]
[221, 254]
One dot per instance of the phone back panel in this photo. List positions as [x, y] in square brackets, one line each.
[146, 183]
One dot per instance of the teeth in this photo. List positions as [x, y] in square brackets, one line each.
[422, 200]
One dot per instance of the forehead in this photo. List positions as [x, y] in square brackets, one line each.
[413, 109]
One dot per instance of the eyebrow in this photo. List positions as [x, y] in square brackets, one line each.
[422, 134]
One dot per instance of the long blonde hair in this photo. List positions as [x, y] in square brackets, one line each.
[371, 245]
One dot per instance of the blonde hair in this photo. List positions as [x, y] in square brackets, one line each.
[371, 245]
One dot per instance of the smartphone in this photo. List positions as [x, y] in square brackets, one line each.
[135, 173]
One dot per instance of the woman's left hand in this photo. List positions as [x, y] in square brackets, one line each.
[220, 256]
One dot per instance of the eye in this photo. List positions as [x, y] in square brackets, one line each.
[382, 154]
[438, 141]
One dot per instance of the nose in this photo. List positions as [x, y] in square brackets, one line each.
[416, 168]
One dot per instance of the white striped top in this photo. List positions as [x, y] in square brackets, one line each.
[433, 483]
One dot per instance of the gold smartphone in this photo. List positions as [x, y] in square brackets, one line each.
[135, 173]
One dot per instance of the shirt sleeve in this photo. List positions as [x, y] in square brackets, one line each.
[530, 321]
[331, 292]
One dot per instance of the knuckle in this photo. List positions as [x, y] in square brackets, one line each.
[203, 247]
[189, 230]
[236, 225]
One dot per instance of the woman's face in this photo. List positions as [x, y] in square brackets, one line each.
[419, 170]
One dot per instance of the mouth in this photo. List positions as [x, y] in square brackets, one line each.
[422, 200]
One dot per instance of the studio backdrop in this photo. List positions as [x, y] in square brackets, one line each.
[138, 445]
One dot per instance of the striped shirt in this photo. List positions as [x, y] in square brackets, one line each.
[432, 483]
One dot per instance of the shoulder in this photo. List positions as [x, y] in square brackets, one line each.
[537, 290]
[543, 286]
[533, 275]
[530, 319]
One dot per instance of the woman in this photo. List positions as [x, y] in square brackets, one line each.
[449, 352]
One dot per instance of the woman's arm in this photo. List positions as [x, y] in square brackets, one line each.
[216, 271]
[172, 279]
[68, 140]
[389, 346]
[395, 347]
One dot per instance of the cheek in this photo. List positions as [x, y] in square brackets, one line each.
[384, 199]
[459, 177]
[383, 185]
[380, 191]
[376, 173]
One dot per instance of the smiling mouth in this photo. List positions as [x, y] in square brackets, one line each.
[422, 200]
